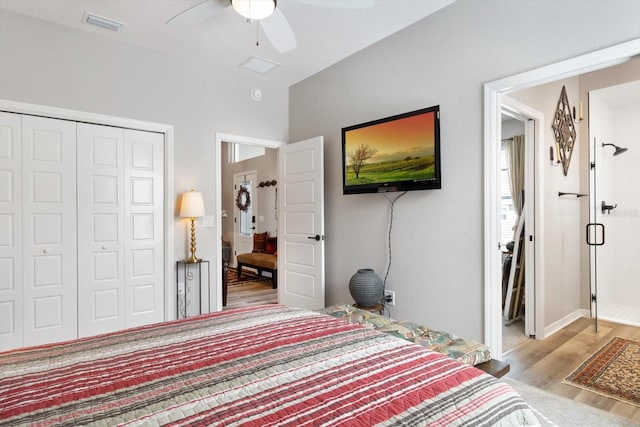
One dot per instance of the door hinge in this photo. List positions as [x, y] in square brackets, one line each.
[594, 298]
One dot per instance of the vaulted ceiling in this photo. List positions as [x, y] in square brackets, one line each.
[325, 35]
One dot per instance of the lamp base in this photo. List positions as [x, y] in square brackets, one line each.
[192, 259]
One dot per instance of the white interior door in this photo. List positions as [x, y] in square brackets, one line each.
[143, 227]
[120, 228]
[49, 229]
[100, 229]
[244, 221]
[301, 224]
[11, 298]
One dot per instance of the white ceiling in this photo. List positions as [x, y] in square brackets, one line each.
[621, 95]
[325, 35]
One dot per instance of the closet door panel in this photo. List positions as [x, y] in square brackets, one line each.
[11, 296]
[144, 243]
[101, 290]
[49, 230]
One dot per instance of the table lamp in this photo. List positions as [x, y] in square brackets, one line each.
[192, 207]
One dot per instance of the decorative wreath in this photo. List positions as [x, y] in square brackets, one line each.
[247, 199]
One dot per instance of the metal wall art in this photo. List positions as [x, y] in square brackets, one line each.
[564, 130]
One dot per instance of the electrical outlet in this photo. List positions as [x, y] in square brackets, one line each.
[389, 297]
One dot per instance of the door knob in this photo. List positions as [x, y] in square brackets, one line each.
[317, 237]
[104, 247]
[45, 251]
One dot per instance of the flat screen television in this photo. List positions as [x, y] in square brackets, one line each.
[397, 153]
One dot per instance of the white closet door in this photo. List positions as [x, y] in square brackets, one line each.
[11, 299]
[49, 229]
[143, 230]
[100, 229]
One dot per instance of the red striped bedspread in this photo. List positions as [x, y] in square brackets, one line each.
[260, 366]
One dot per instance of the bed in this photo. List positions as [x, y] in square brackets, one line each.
[256, 366]
[467, 351]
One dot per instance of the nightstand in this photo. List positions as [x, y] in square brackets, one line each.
[188, 273]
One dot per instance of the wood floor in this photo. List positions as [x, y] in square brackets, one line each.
[253, 293]
[544, 364]
[513, 335]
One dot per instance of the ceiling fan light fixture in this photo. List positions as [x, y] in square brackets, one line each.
[254, 9]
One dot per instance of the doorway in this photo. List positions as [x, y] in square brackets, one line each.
[512, 195]
[520, 139]
[224, 214]
[300, 241]
[245, 161]
[493, 95]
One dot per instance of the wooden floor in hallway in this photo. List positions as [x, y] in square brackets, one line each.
[249, 294]
[545, 363]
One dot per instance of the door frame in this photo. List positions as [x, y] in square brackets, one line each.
[533, 213]
[215, 298]
[493, 92]
[170, 293]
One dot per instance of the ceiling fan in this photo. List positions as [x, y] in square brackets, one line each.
[265, 13]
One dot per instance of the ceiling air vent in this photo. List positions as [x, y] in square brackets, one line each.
[258, 64]
[102, 22]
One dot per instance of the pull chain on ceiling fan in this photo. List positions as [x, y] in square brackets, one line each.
[274, 24]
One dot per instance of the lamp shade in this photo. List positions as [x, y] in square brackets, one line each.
[254, 9]
[192, 205]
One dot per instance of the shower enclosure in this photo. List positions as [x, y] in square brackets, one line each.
[613, 232]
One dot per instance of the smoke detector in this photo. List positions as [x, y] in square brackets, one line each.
[256, 94]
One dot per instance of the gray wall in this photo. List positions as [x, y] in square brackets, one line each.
[445, 59]
[52, 65]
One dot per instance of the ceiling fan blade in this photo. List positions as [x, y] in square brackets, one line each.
[279, 32]
[200, 12]
[340, 4]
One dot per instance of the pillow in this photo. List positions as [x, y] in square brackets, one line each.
[271, 245]
[260, 241]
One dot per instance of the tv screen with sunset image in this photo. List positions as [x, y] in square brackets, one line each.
[397, 153]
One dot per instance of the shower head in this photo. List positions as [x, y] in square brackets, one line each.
[619, 150]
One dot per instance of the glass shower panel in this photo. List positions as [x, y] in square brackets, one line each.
[615, 204]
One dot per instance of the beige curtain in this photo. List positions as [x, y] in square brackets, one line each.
[515, 159]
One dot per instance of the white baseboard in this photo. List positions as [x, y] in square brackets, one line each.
[565, 321]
